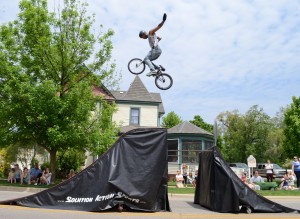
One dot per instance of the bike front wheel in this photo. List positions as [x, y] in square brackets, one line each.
[163, 81]
[136, 66]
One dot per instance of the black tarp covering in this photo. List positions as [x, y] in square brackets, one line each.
[134, 170]
[219, 189]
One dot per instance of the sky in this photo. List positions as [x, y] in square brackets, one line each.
[223, 55]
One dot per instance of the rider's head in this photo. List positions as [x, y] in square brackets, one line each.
[143, 34]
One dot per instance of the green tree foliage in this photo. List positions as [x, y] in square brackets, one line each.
[292, 128]
[46, 89]
[275, 150]
[198, 121]
[70, 159]
[6, 159]
[171, 120]
[245, 134]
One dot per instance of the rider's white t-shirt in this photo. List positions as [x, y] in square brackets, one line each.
[153, 41]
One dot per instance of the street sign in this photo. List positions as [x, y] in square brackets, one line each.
[251, 161]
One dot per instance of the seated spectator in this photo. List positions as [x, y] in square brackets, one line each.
[191, 179]
[290, 180]
[284, 183]
[71, 174]
[179, 179]
[244, 180]
[25, 176]
[18, 173]
[35, 174]
[11, 176]
[256, 179]
[46, 177]
[195, 178]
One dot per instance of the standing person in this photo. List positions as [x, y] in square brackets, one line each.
[184, 173]
[155, 51]
[296, 169]
[269, 168]
[179, 179]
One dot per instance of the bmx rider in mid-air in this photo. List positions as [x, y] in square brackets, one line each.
[155, 51]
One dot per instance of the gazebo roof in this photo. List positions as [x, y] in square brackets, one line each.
[187, 128]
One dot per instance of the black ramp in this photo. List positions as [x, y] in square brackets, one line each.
[133, 171]
[219, 189]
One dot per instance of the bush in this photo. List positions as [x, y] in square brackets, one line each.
[45, 165]
[69, 159]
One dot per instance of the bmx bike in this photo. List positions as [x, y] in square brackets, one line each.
[162, 80]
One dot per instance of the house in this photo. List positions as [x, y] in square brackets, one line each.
[137, 107]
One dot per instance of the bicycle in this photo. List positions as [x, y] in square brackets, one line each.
[162, 80]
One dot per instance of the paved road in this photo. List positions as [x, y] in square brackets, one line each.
[182, 207]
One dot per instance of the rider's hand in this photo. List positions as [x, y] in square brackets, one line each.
[165, 17]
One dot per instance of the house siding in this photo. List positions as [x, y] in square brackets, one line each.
[148, 114]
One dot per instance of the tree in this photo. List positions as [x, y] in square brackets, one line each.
[245, 134]
[292, 129]
[230, 124]
[171, 120]
[198, 121]
[275, 151]
[47, 87]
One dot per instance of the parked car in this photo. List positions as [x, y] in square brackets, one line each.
[240, 168]
[277, 170]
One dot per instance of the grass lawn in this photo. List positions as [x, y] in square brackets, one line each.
[190, 190]
[3, 182]
[172, 189]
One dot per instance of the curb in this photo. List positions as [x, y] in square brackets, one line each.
[21, 189]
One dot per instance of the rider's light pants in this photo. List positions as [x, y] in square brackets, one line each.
[152, 55]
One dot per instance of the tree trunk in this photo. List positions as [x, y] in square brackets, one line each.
[53, 164]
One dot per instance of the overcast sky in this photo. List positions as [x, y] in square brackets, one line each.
[222, 54]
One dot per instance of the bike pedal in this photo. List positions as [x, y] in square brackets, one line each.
[162, 68]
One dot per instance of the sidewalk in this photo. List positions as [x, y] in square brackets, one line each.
[22, 189]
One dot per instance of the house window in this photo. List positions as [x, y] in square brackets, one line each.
[173, 150]
[134, 116]
[190, 150]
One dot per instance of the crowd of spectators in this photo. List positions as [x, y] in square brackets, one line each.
[35, 176]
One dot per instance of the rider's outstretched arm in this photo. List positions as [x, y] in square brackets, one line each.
[151, 32]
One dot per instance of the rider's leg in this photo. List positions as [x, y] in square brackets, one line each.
[152, 55]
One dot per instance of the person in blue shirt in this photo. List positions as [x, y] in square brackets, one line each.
[153, 42]
[296, 169]
[35, 174]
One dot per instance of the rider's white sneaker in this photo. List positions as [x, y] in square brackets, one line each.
[151, 73]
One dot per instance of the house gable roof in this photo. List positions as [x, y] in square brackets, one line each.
[137, 92]
[187, 128]
[103, 92]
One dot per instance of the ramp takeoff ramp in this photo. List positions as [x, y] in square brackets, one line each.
[219, 189]
[132, 172]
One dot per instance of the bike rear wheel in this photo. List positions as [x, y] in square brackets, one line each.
[163, 81]
[136, 66]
